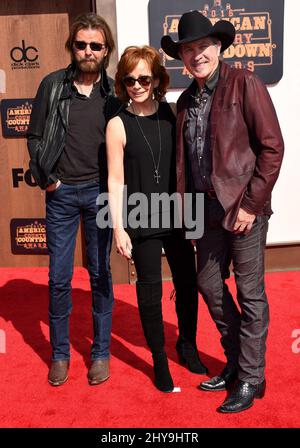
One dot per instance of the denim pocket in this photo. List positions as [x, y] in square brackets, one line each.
[56, 189]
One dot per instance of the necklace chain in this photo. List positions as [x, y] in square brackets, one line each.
[156, 166]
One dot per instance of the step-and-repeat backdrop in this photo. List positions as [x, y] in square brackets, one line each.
[31, 46]
[258, 44]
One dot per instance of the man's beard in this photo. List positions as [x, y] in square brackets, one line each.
[89, 65]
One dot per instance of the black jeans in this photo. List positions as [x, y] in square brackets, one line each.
[181, 258]
[179, 252]
[243, 333]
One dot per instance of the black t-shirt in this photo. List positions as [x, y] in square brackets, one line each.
[84, 151]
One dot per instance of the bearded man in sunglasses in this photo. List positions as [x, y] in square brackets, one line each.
[66, 142]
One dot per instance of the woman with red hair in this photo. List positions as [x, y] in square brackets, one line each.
[141, 156]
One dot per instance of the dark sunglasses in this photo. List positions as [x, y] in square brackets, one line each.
[143, 81]
[94, 46]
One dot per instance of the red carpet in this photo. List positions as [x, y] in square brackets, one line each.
[128, 398]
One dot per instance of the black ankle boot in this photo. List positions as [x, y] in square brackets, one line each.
[188, 355]
[163, 380]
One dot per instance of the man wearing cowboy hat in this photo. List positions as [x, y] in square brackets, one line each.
[229, 147]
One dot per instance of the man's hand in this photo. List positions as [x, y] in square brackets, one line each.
[243, 222]
[53, 186]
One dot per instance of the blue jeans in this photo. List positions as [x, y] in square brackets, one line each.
[244, 331]
[64, 207]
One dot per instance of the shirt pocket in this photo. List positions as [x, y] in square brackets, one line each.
[231, 106]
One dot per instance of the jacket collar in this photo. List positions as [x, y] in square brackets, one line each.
[105, 82]
[224, 71]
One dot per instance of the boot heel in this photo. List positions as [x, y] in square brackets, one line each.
[163, 380]
[261, 391]
[192, 361]
[181, 359]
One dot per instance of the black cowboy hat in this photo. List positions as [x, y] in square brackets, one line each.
[193, 26]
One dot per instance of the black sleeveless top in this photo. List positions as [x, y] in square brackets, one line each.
[145, 212]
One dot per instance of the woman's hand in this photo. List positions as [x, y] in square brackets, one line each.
[123, 243]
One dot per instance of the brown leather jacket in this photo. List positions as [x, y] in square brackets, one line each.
[246, 144]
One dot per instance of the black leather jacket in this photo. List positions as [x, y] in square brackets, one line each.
[49, 121]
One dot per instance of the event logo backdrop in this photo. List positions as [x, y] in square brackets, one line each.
[28, 236]
[258, 45]
[24, 56]
[27, 55]
[15, 116]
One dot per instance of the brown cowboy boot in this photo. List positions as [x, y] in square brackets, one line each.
[58, 373]
[98, 372]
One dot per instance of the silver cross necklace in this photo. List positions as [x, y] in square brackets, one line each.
[156, 166]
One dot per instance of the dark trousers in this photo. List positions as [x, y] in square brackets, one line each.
[180, 255]
[244, 332]
[64, 207]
